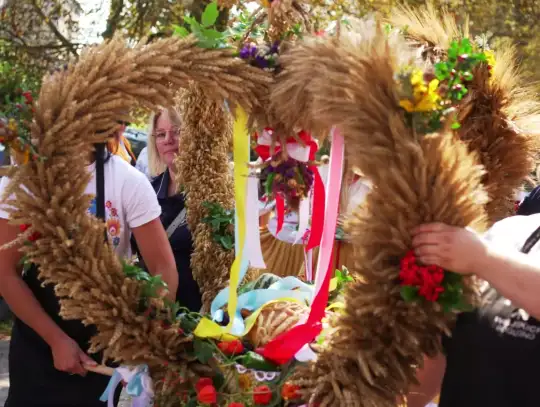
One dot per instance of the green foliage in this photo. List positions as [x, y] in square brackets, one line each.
[151, 284]
[221, 221]
[207, 35]
[343, 278]
[203, 349]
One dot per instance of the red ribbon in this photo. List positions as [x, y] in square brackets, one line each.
[283, 348]
[280, 209]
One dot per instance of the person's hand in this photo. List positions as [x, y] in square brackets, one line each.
[68, 356]
[452, 248]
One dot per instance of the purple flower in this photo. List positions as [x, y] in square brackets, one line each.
[274, 48]
[245, 52]
[261, 62]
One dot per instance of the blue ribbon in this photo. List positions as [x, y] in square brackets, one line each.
[288, 287]
[135, 388]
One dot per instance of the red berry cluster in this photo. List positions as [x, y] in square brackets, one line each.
[428, 279]
[33, 237]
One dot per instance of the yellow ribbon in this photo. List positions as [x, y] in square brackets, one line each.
[207, 328]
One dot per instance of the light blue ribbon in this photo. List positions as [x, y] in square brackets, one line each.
[288, 287]
[138, 387]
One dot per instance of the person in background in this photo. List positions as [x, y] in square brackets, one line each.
[164, 142]
[119, 145]
[48, 356]
[142, 162]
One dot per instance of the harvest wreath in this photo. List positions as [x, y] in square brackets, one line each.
[365, 354]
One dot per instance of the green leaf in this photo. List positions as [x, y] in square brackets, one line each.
[203, 350]
[180, 31]
[409, 293]
[210, 14]
[210, 33]
[455, 125]
[192, 403]
[191, 21]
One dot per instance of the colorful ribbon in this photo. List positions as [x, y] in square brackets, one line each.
[139, 386]
[252, 249]
[283, 348]
[240, 265]
[317, 212]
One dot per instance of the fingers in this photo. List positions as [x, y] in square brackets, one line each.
[72, 367]
[430, 228]
[87, 360]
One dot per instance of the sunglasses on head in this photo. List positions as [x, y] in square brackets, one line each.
[123, 123]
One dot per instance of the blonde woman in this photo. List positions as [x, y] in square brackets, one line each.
[164, 141]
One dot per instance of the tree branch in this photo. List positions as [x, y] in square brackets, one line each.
[117, 6]
[55, 30]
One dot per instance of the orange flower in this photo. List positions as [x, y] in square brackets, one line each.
[203, 382]
[207, 395]
[262, 395]
[290, 392]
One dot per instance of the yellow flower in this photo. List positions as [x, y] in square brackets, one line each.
[244, 381]
[490, 57]
[12, 125]
[425, 96]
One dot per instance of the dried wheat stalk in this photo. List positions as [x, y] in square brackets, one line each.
[49, 194]
[499, 116]
[203, 164]
[371, 356]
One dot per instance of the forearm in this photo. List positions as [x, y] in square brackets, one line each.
[169, 276]
[25, 306]
[515, 275]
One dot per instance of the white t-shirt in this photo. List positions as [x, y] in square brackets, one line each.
[130, 201]
[511, 233]
[142, 162]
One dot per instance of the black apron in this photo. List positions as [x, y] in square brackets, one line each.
[493, 356]
[34, 381]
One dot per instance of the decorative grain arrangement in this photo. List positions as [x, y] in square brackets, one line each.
[369, 358]
[48, 194]
[203, 164]
[500, 115]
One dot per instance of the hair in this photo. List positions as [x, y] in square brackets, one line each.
[156, 165]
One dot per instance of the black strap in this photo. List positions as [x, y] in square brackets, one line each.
[100, 183]
[531, 241]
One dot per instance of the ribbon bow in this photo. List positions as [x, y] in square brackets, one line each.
[139, 386]
[294, 149]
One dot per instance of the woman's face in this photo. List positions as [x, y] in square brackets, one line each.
[167, 138]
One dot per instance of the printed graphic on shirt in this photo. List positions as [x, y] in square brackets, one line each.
[518, 325]
[114, 227]
[92, 210]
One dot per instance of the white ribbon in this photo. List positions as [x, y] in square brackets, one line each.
[252, 248]
[303, 219]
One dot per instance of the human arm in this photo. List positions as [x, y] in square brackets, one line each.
[67, 355]
[143, 217]
[156, 251]
[430, 378]
[514, 274]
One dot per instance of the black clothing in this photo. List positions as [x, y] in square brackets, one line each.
[34, 381]
[493, 355]
[188, 293]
